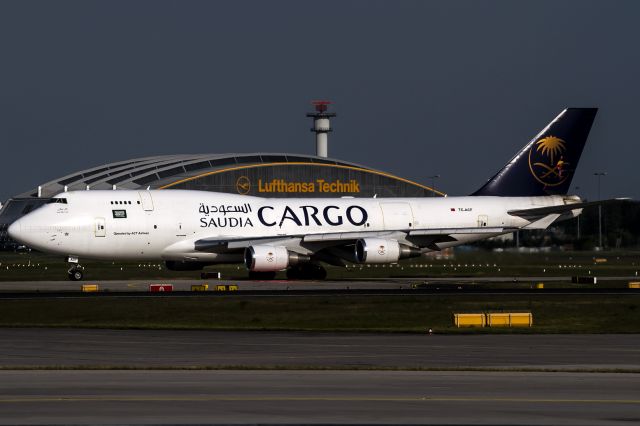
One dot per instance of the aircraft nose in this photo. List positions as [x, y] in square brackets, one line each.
[14, 230]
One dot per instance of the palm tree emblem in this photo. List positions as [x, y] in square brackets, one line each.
[551, 146]
[546, 161]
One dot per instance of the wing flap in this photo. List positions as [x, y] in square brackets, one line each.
[222, 245]
[343, 236]
[453, 231]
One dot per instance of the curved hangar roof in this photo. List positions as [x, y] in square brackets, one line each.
[263, 174]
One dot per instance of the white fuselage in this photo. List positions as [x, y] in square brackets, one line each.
[164, 224]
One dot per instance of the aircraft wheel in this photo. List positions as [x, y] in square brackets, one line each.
[76, 274]
[293, 273]
[319, 273]
[307, 271]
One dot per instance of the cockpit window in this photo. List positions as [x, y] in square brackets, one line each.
[57, 201]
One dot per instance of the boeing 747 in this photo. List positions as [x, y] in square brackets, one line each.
[192, 229]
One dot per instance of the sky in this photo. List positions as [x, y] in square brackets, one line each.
[421, 88]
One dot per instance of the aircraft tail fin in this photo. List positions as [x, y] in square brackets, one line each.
[546, 165]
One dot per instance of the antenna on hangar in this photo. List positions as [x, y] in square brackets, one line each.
[321, 126]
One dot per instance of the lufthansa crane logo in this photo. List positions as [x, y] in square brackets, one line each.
[243, 185]
[546, 161]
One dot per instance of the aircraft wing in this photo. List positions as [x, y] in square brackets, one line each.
[433, 235]
[423, 238]
[350, 236]
[222, 245]
[343, 236]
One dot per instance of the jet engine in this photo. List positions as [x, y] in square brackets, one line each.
[378, 250]
[271, 258]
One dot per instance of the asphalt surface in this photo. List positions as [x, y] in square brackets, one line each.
[250, 285]
[327, 397]
[185, 285]
[185, 348]
[572, 379]
[283, 288]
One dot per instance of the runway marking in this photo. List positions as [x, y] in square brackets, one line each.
[113, 398]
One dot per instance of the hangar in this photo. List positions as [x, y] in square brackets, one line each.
[258, 174]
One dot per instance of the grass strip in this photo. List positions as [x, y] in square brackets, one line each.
[35, 266]
[551, 313]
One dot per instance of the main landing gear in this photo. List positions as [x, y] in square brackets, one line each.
[302, 271]
[306, 271]
[76, 271]
[262, 275]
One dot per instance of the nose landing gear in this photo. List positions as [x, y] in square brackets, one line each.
[76, 272]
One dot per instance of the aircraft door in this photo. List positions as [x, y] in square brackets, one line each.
[180, 232]
[397, 215]
[483, 220]
[100, 227]
[147, 201]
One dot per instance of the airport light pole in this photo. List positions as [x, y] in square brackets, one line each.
[433, 184]
[599, 175]
[578, 228]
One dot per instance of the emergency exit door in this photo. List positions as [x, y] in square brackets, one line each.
[483, 220]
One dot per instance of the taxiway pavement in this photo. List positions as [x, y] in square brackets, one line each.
[33, 347]
[326, 397]
[277, 285]
[84, 376]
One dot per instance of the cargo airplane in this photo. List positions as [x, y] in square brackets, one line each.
[192, 229]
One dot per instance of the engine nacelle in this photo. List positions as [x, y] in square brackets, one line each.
[378, 250]
[271, 258]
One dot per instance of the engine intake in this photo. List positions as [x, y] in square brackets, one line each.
[271, 258]
[378, 250]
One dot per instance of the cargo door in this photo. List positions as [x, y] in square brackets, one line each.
[397, 215]
[483, 220]
[146, 200]
[100, 224]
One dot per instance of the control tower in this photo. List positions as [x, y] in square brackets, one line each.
[321, 126]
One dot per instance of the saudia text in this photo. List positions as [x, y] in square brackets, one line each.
[229, 216]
